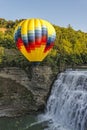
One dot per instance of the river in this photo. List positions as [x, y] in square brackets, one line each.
[26, 122]
[66, 107]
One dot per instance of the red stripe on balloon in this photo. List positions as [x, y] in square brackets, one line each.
[19, 43]
[30, 47]
[48, 47]
[44, 39]
[37, 42]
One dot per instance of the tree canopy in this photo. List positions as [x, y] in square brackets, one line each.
[70, 46]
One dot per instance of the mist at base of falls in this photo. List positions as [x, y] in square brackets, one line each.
[67, 105]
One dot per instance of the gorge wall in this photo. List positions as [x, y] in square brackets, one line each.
[22, 92]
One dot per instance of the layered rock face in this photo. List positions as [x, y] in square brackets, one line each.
[22, 92]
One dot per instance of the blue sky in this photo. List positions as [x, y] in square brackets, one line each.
[58, 12]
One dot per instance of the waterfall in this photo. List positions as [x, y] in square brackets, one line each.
[67, 105]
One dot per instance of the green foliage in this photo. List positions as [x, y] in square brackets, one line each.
[1, 53]
[70, 47]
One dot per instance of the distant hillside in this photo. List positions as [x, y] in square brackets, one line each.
[6, 23]
[70, 46]
[3, 30]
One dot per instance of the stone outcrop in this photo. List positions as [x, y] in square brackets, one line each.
[22, 92]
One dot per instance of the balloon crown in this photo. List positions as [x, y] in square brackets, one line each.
[34, 38]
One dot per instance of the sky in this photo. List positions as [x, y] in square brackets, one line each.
[58, 12]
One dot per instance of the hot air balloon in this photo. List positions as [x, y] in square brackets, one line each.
[34, 38]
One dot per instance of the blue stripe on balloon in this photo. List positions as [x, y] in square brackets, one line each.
[31, 36]
[25, 39]
[51, 39]
[38, 33]
[17, 33]
[44, 30]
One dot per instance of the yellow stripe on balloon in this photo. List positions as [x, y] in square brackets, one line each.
[24, 27]
[37, 24]
[50, 28]
[31, 25]
[31, 56]
[25, 53]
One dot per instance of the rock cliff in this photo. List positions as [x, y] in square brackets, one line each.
[22, 92]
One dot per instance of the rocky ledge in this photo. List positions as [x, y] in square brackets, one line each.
[22, 92]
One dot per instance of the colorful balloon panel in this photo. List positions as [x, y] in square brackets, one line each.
[35, 38]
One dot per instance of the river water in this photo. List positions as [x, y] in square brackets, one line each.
[20, 123]
[66, 107]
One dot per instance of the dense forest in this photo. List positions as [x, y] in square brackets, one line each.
[70, 47]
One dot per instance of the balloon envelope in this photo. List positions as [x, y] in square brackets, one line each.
[35, 38]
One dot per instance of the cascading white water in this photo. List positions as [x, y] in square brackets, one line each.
[67, 104]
